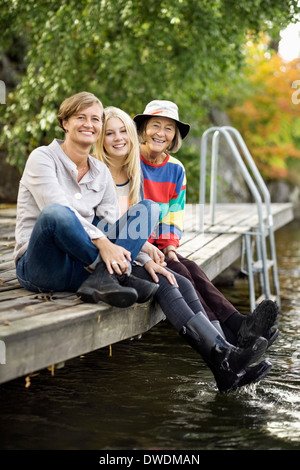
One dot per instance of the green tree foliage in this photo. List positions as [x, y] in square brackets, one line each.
[127, 52]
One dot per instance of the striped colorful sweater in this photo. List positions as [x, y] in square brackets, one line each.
[166, 185]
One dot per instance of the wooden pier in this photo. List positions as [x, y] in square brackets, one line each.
[44, 330]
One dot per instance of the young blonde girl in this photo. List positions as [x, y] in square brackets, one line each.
[131, 163]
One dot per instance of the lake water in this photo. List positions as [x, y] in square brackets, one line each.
[156, 392]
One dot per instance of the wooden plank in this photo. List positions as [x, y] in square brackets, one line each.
[38, 342]
[18, 306]
[227, 214]
[217, 253]
[233, 215]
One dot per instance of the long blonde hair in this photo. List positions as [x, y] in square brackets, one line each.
[132, 163]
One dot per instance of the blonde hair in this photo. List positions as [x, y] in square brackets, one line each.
[132, 163]
[176, 142]
[74, 104]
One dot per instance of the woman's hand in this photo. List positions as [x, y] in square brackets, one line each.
[170, 252]
[152, 268]
[154, 253]
[115, 257]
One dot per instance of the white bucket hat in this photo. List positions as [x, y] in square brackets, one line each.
[163, 108]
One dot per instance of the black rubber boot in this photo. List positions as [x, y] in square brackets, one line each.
[259, 323]
[145, 289]
[226, 361]
[102, 286]
[255, 373]
[272, 335]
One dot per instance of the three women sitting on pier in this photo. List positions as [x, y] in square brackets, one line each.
[69, 237]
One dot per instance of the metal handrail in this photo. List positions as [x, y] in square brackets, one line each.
[227, 132]
[267, 198]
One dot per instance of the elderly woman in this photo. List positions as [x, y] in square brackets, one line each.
[160, 132]
[64, 194]
[118, 148]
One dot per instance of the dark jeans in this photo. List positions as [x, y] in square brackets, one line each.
[216, 306]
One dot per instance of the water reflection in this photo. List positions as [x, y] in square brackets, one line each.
[156, 393]
[278, 395]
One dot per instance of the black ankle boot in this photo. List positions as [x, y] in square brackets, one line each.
[145, 289]
[255, 373]
[226, 362]
[101, 285]
[259, 323]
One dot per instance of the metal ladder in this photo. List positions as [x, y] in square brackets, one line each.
[255, 247]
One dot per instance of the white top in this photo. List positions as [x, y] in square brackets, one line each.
[123, 196]
[50, 176]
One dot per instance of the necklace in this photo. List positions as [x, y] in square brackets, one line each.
[82, 171]
[79, 168]
[82, 168]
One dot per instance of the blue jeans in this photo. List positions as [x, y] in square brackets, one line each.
[59, 248]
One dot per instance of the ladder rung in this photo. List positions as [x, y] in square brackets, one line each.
[258, 265]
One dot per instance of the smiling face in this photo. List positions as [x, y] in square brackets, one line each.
[159, 134]
[116, 139]
[84, 127]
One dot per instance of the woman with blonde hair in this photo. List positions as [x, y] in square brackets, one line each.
[131, 168]
[175, 294]
[123, 160]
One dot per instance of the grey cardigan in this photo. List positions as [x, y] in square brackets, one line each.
[51, 176]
